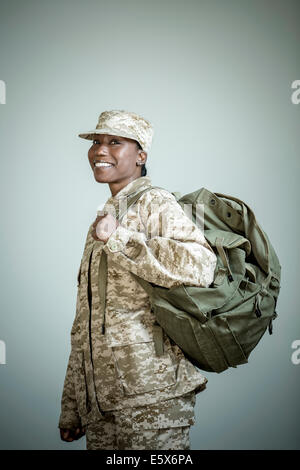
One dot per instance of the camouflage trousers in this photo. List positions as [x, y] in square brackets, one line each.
[161, 426]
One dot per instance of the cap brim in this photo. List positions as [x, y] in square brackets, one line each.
[89, 135]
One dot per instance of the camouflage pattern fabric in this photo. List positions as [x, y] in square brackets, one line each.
[119, 369]
[165, 426]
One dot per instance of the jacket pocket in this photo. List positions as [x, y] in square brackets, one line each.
[140, 370]
[174, 413]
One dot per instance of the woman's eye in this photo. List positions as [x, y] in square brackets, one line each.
[114, 141]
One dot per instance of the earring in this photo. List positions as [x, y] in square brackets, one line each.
[139, 163]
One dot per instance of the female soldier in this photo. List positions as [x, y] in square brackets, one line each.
[118, 390]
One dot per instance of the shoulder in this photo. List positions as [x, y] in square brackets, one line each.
[154, 195]
[156, 201]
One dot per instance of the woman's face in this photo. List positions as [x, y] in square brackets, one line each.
[120, 153]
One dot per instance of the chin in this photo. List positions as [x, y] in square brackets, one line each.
[101, 180]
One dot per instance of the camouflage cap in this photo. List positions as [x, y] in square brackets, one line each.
[124, 124]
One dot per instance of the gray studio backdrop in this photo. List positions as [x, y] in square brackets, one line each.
[215, 79]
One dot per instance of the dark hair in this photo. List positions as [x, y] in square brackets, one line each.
[143, 167]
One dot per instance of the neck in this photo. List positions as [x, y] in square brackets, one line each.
[115, 187]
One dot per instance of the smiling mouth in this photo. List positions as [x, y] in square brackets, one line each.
[103, 165]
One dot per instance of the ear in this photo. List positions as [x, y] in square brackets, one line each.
[142, 156]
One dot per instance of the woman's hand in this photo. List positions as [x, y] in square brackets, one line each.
[103, 227]
[70, 435]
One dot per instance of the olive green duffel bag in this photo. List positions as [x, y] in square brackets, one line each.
[218, 327]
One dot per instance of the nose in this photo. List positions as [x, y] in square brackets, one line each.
[101, 149]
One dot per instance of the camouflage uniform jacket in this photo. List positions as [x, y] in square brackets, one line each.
[119, 368]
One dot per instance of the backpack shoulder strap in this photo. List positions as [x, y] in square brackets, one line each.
[132, 199]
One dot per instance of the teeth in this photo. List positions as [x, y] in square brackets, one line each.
[103, 164]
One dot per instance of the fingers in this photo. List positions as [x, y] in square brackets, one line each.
[93, 233]
[70, 435]
[79, 432]
[99, 217]
[65, 435]
[103, 227]
[97, 220]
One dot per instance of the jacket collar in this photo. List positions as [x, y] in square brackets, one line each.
[133, 187]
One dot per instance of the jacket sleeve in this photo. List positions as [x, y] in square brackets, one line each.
[168, 249]
[69, 416]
